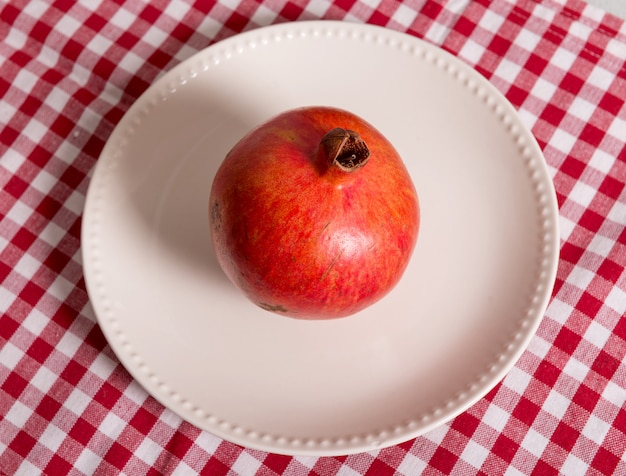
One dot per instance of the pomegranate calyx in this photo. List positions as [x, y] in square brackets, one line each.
[345, 149]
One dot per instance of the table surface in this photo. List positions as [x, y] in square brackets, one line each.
[68, 74]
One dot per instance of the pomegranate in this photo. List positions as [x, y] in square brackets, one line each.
[313, 214]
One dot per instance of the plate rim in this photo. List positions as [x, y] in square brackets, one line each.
[224, 49]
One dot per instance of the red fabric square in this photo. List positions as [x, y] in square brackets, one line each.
[82, 431]
[108, 395]
[505, 448]
[47, 407]
[565, 436]
[143, 420]
[14, 385]
[605, 364]
[589, 304]
[547, 373]
[22, 443]
[567, 340]
[544, 469]
[57, 465]
[443, 460]
[586, 397]
[610, 270]
[526, 411]
[40, 350]
[605, 461]
[276, 463]
[381, 468]
[465, 424]
[213, 467]
[572, 83]
[118, 455]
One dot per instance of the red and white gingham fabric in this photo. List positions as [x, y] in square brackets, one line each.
[69, 71]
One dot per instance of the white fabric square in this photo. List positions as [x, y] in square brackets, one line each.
[131, 62]
[27, 266]
[75, 203]
[35, 130]
[67, 25]
[209, 442]
[539, 346]
[517, 380]
[563, 59]
[543, 90]
[27, 468]
[43, 379]
[471, 51]
[136, 393]
[102, 366]
[601, 78]
[44, 182]
[18, 414]
[580, 30]
[410, 464]
[534, 442]
[6, 298]
[615, 394]
[595, 429]
[373, 4]
[52, 437]
[563, 141]
[474, 454]
[25, 80]
[35, 322]
[16, 39]
[566, 227]
[69, 344]
[148, 451]
[112, 425]
[182, 469]
[574, 465]
[616, 300]
[495, 417]
[11, 160]
[512, 471]
[154, 36]
[57, 100]
[617, 213]
[616, 48]
[87, 461]
[437, 435]
[52, 234]
[77, 401]
[582, 194]
[559, 311]
[527, 40]
[556, 404]
[597, 334]
[582, 109]
[48, 57]
[576, 369]
[61, 288]
[245, 464]
[491, 21]
[508, 70]
[580, 277]
[19, 213]
[318, 8]
[602, 161]
[10, 355]
[122, 19]
[617, 129]
[404, 15]
[99, 45]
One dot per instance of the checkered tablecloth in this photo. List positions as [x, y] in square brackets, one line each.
[69, 71]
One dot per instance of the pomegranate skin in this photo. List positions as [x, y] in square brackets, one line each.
[300, 236]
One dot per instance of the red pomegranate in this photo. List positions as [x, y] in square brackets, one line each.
[313, 214]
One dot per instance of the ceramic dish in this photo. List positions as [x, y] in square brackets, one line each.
[471, 299]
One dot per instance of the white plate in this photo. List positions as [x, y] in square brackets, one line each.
[472, 297]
